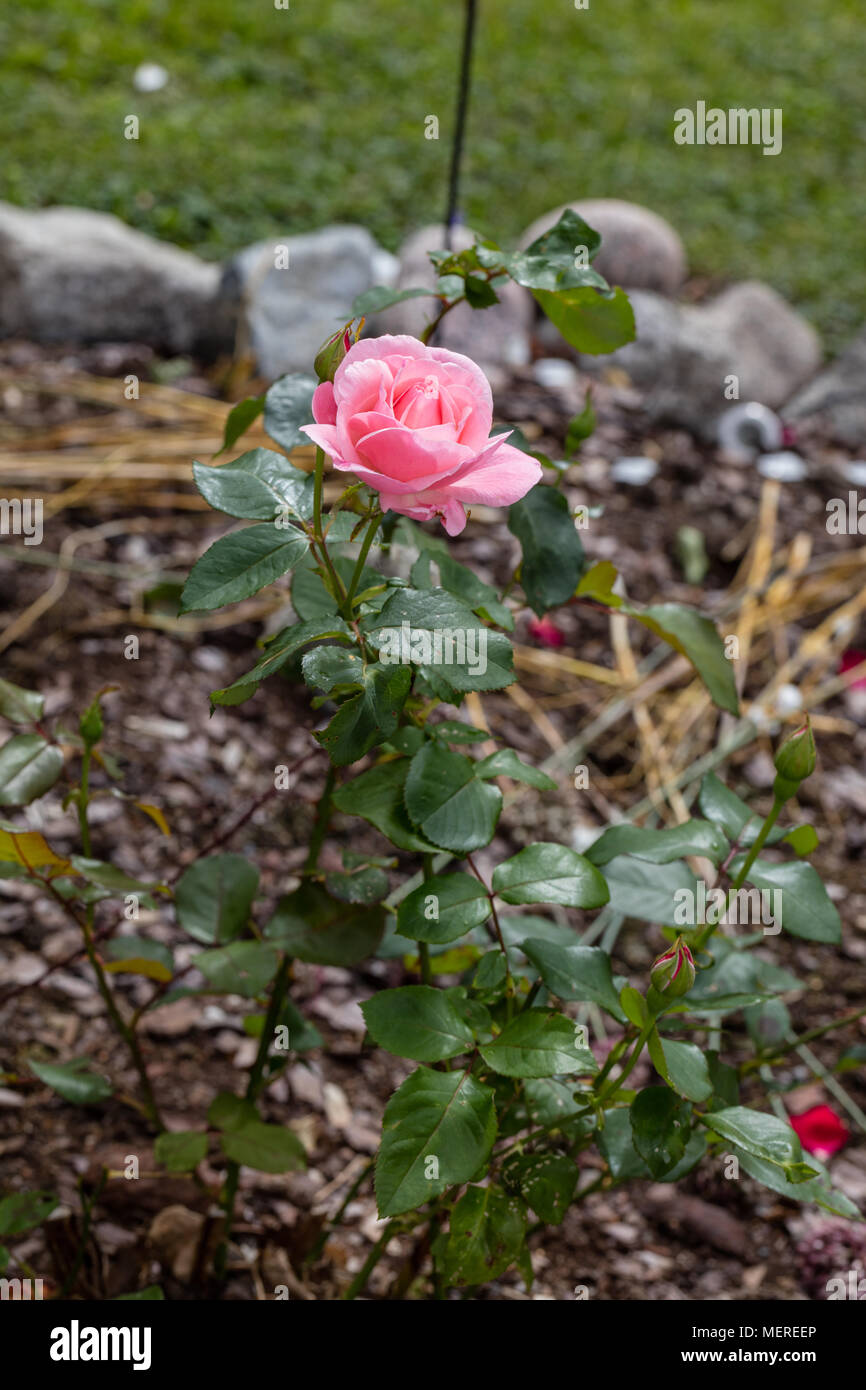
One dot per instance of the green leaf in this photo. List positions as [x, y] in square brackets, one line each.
[765, 1136]
[327, 667]
[634, 1006]
[660, 846]
[368, 718]
[806, 909]
[239, 565]
[817, 1189]
[550, 263]
[491, 978]
[696, 637]
[20, 706]
[487, 1232]
[27, 848]
[591, 322]
[110, 877]
[454, 731]
[538, 1042]
[277, 653]
[444, 639]
[231, 1112]
[288, 405]
[152, 1294]
[258, 486]
[444, 1116]
[241, 967]
[74, 1080]
[214, 897]
[315, 927]
[377, 796]
[738, 821]
[575, 972]
[547, 1183]
[616, 1143]
[647, 891]
[239, 419]
[581, 426]
[464, 584]
[136, 953]
[367, 885]
[180, 1151]
[803, 839]
[598, 583]
[660, 1128]
[380, 297]
[505, 763]
[685, 1069]
[443, 909]
[266, 1148]
[21, 1211]
[418, 1022]
[550, 873]
[553, 558]
[449, 804]
[29, 766]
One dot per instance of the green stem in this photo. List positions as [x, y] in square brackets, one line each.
[630, 1064]
[359, 566]
[255, 1083]
[777, 1053]
[703, 937]
[323, 816]
[375, 1255]
[83, 801]
[316, 1250]
[320, 544]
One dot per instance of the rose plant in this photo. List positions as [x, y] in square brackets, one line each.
[512, 1111]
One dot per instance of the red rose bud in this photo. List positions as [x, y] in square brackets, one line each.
[673, 972]
[795, 761]
[546, 632]
[331, 353]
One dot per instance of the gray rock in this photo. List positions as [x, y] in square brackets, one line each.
[498, 337]
[639, 249]
[71, 275]
[684, 355]
[836, 399]
[289, 312]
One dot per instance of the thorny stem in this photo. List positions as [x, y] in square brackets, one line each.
[630, 1065]
[776, 1053]
[122, 1028]
[323, 816]
[359, 566]
[760, 840]
[254, 1086]
[509, 981]
[370, 1263]
[313, 1254]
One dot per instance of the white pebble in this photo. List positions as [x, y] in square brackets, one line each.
[785, 467]
[634, 472]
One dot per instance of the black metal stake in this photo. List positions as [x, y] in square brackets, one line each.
[460, 122]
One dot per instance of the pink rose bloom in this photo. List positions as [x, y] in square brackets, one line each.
[413, 423]
[820, 1131]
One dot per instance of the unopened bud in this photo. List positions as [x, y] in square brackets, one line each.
[331, 353]
[673, 972]
[795, 761]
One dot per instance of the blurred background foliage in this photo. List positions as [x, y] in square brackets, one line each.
[278, 121]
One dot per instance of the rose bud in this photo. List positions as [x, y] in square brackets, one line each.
[546, 632]
[673, 972]
[795, 761]
[331, 353]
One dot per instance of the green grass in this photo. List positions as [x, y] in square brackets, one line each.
[277, 121]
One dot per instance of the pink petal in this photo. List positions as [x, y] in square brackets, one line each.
[501, 477]
[324, 404]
